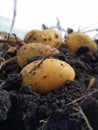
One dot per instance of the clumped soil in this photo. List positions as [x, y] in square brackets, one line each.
[71, 107]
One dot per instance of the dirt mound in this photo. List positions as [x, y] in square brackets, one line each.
[74, 106]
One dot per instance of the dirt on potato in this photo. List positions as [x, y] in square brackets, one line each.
[74, 106]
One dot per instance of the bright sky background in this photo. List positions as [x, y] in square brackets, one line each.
[31, 14]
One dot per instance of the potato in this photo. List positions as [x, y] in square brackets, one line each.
[47, 75]
[30, 50]
[46, 36]
[76, 40]
[32, 36]
[51, 37]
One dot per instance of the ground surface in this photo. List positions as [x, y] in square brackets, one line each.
[71, 107]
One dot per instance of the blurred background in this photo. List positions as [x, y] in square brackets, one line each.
[31, 14]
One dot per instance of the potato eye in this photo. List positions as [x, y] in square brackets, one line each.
[34, 38]
[56, 36]
[45, 39]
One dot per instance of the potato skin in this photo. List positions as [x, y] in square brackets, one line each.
[30, 50]
[32, 36]
[51, 37]
[76, 40]
[49, 75]
[46, 36]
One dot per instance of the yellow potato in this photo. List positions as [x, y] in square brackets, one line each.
[51, 37]
[47, 75]
[32, 36]
[30, 50]
[46, 36]
[76, 40]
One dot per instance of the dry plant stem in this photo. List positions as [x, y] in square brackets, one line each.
[91, 82]
[44, 123]
[36, 66]
[79, 99]
[14, 16]
[90, 30]
[9, 60]
[4, 62]
[12, 42]
[58, 26]
[85, 118]
[88, 26]
[39, 64]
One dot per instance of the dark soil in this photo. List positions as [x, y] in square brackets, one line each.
[66, 108]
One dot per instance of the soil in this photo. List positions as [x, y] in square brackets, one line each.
[74, 106]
